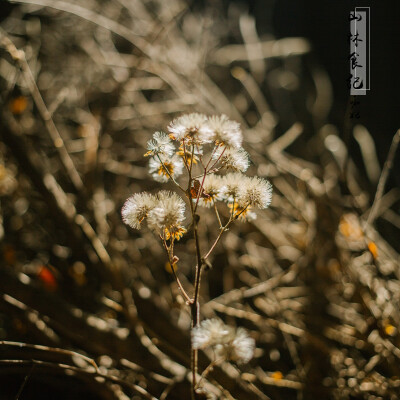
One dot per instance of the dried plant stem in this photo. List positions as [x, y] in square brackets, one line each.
[80, 371]
[195, 301]
[169, 174]
[201, 189]
[19, 57]
[217, 214]
[217, 160]
[169, 251]
[50, 350]
[185, 295]
[241, 212]
[382, 180]
[223, 229]
[195, 306]
[208, 370]
[185, 160]
[24, 382]
[95, 18]
[206, 172]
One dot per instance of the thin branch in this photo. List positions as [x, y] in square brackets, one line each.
[223, 229]
[241, 212]
[65, 367]
[217, 160]
[209, 369]
[94, 18]
[24, 382]
[66, 160]
[169, 174]
[171, 263]
[195, 307]
[50, 349]
[200, 190]
[185, 295]
[384, 176]
[217, 214]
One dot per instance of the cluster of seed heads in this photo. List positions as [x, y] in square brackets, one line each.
[209, 150]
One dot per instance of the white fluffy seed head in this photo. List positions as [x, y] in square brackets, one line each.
[240, 349]
[231, 186]
[255, 192]
[137, 208]
[160, 144]
[158, 169]
[233, 345]
[226, 132]
[168, 213]
[210, 332]
[212, 187]
[236, 159]
[191, 127]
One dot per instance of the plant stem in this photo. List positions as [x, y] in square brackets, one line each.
[200, 190]
[216, 162]
[223, 229]
[185, 295]
[209, 369]
[217, 214]
[169, 174]
[241, 212]
[170, 255]
[210, 171]
[195, 307]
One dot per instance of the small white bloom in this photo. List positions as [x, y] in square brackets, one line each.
[255, 192]
[231, 186]
[168, 214]
[191, 127]
[160, 144]
[212, 190]
[240, 349]
[236, 159]
[233, 345]
[137, 208]
[226, 132]
[174, 166]
[210, 332]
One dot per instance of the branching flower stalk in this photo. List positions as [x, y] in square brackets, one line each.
[218, 178]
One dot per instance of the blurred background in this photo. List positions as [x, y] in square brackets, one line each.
[315, 278]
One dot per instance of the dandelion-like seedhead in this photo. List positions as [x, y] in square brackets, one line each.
[255, 192]
[210, 333]
[241, 349]
[168, 214]
[163, 167]
[160, 144]
[137, 208]
[164, 212]
[212, 187]
[193, 128]
[226, 132]
[236, 159]
[232, 345]
[231, 186]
